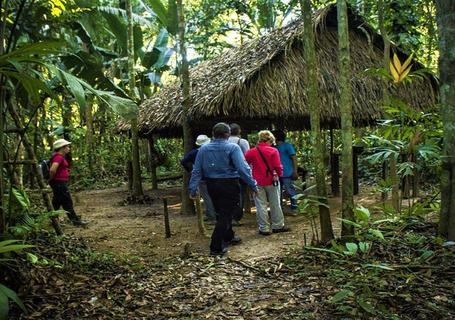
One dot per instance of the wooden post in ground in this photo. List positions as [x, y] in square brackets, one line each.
[167, 226]
[200, 216]
[335, 174]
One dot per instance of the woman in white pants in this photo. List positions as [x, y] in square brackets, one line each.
[266, 165]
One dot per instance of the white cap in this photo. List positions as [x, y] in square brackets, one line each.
[202, 139]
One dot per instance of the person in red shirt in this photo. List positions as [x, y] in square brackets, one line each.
[59, 177]
[267, 168]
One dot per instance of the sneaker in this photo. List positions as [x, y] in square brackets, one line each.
[216, 253]
[234, 241]
[284, 229]
[265, 233]
[79, 223]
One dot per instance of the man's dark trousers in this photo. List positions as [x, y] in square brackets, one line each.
[225, 194]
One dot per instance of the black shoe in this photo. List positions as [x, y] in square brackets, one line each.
[234, 241]
[236, 223]
[216, 253]
[79, 223]
[210, 222]
[265, 233]
[284, 229]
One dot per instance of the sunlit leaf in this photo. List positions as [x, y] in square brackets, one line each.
[341, 295]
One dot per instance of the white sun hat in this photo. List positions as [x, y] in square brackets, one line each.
[60, 143]
[202, 139]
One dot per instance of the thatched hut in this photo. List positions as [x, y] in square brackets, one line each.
[262, 82]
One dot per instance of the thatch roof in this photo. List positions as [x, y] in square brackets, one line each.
[262, 82]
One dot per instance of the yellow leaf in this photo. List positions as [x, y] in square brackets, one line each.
[397, 63]
[395, 75]
[404, 74]
[407, 62]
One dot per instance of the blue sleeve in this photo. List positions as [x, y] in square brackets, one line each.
[291, 150]
[189, 159]
[238, 159]
[196, 175]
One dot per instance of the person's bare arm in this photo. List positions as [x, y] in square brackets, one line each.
[53, 170]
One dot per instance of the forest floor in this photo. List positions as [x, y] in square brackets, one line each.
[122, 267]
[139, 229]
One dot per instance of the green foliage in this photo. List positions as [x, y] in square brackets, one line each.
[6, 294]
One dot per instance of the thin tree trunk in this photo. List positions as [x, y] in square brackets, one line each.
[153, 160]
[187, 204]
[31, 155]
[3, 15]
[314, 107]
[89, 136]
[392, 160]
[446, 27]
[137, 183]
[429, 6]
[347, 200]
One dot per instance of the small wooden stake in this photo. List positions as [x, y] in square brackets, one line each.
[200, 216]
[166, 219]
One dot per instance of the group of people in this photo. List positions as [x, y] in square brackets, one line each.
[223, 168]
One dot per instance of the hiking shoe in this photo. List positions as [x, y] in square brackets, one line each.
[79, 223]
[265, 233]
[234, 241]
[284, 229]
[218, 253]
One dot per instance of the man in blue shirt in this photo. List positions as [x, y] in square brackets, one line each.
[221, 164]
[289, 162]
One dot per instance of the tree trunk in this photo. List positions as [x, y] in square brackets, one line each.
[89, 136]
[392, 161]
[153, 160]
[137, 182]
[446, 27]
[187, 204]
[313, 106]
[31, 155]
[347, 200]
[2, 126]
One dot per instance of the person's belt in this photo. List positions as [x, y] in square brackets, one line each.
[222, 179]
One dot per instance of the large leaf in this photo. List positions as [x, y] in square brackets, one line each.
[172, 17]
[362, 213]
[74, 86]
[10, 246]
[11, 295]
[118, 27]
[32, 50]
[33, 86]
[156, 9]
[163, 59]
[21, 198]
[124, 107]
[121, 13]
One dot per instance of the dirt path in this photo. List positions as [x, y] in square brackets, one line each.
[139, 229]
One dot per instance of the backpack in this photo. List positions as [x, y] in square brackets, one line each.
[44, 168]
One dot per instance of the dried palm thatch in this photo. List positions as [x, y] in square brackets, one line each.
[262, 82]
